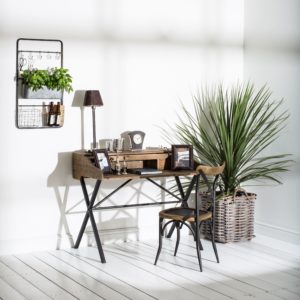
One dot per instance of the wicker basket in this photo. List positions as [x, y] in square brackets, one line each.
[234, 218]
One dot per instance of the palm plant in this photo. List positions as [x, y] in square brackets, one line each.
[235, 126]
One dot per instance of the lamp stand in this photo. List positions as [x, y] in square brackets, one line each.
[94, 127]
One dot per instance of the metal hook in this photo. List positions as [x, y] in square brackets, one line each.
[22, 62]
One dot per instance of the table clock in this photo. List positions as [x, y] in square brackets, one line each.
[133, 140]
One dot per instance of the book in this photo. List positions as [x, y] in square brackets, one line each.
[144, 171]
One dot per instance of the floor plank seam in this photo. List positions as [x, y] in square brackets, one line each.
[189, 278]
[47, 278]
[274, 269]
[153, 273]
[195, 269]
[86, 274]
[68, 277]
[246, 294]
[242, 257]
[78, 257]
[20, 276]
[225, 275]
[246, 271]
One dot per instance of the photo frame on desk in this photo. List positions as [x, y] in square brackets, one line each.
[182, 157]
[102, 160]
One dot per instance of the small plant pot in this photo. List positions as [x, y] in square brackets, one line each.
[43, 93]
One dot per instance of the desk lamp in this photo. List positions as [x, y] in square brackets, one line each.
[93, 99]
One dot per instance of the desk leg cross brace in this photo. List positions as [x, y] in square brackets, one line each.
[89, 215]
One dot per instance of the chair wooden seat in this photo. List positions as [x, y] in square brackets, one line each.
[184, 214]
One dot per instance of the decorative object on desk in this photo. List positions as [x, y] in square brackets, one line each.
[136, 139]
[118, 166]
[93, 98]
[182, 157]
[46, 84]
[235, 126]
[133, 140]
[118, 144]
[106, 144]
[126, 141]
[102, 160]
[124, 168]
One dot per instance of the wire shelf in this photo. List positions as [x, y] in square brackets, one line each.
[36, 116]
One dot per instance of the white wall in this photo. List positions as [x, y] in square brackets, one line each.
[272, 56]
[143, 56]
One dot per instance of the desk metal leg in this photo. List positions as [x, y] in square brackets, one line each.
[82, 229]
[89, 215]
[179, 185]
[97, 237]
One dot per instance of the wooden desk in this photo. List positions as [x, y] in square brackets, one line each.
[83, 167]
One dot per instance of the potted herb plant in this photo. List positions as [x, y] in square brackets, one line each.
[49, 83]
[235, 126]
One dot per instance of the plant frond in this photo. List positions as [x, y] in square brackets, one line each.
[235, 126]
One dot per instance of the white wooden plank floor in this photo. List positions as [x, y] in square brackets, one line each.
[247, 270]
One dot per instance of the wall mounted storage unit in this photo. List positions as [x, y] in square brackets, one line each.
[32, 107]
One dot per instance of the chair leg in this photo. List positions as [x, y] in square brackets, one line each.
[160, 230]
[198, 246]
[212, 233]
[177, 224]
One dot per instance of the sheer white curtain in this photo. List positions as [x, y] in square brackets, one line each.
[157, 53]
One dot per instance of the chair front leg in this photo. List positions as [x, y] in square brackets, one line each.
[212, 233]
[160, 236]
[177, 225]
[200, 244]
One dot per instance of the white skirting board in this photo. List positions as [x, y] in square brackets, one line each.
[278, 233]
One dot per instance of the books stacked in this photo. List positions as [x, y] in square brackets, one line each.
[144, 171]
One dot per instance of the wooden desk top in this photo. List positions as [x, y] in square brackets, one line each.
[83, 166]
[165, 173]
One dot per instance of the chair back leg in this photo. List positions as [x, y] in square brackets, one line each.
[197, 225]
[198, 246]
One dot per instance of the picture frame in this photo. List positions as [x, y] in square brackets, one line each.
[182, 157]
[102, 160]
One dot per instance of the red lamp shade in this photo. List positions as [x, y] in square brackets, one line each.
[92, 98]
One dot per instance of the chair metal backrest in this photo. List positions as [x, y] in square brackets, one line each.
[205, 171]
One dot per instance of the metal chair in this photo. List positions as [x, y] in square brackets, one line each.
[193, 217]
